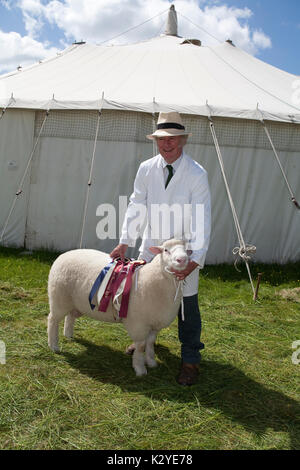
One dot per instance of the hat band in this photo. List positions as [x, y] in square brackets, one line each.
[170, 125]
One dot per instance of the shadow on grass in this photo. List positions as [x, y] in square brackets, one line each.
[221, 386]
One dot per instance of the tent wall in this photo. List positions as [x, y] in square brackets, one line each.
[267, 217]
[16, 141]
[58, 190]
[54, 200]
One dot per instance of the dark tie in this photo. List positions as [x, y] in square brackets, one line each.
[170, 168]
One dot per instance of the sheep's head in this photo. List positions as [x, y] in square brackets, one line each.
[173, 253]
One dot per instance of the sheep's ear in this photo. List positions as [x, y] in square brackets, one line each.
[155, 249]
[189, 252]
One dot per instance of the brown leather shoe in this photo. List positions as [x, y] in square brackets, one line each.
[188, 374]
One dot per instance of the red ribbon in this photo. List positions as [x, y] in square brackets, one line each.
[123, 270]
[126, 292]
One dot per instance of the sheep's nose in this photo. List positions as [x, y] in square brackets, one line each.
[181, 260]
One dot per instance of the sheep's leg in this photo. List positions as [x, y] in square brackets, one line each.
[150, 355]
[138, 359]
[69, 323]
[53, 323]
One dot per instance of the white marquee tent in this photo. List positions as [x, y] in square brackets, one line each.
[72, 135]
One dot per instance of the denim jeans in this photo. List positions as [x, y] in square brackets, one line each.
[189, 330]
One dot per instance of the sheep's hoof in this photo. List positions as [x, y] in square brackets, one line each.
[130, 350]
[140, 371]
[151, 363]
[55, 349]
[68, 335]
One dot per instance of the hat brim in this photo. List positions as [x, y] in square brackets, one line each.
[167, 133]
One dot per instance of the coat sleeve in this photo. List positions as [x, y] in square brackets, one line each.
[136, 214]
[200, 225]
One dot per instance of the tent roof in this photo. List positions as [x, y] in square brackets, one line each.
[158, 74]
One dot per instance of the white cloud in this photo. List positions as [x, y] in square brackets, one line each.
[100, 20]
[21, 50]
[32, 25]
[213, 23]
[261, 40]
[6, 3]
[32, 11]
[96, 21]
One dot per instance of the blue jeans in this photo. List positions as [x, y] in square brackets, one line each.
[189, 330]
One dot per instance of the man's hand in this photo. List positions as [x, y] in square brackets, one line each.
[181, 275]
[119, 251]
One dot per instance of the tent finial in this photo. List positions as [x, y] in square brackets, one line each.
[171, 26]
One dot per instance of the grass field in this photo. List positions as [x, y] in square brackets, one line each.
[88, 397]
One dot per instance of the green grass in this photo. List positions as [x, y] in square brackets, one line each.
[88, 397]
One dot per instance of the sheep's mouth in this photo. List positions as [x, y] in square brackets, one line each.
[180, 266]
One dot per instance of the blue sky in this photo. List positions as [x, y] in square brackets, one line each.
[31, 30]
[280, 20]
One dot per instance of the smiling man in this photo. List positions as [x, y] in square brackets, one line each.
[173, 178]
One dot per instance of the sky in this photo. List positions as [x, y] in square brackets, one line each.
[33, 30]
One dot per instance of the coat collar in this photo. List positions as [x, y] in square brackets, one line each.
[178, 172]
[160, 161]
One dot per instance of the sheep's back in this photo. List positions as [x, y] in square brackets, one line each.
[73, 274]
[78, 265]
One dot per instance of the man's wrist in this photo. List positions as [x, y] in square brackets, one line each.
[127, 241]
[193, 263]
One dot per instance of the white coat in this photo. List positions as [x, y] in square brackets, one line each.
[188, 189]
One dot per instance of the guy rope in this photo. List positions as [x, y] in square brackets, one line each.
[89, 184]
[242, 250]
[293, 199]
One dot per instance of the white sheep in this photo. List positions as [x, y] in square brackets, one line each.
[153, 303]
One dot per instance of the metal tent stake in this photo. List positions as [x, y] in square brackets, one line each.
[257, 286]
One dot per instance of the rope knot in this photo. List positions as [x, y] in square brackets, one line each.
[244, 252]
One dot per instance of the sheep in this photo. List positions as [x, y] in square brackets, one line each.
[153, 305]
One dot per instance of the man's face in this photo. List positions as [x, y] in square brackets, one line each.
[170, 147]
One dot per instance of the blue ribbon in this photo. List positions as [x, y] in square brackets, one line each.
[97, 283]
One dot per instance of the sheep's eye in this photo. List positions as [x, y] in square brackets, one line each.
[166, 251]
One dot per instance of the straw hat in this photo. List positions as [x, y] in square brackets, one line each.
[168, 125]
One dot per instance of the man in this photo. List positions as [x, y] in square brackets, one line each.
[173, 178]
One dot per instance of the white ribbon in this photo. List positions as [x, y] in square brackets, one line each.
[104, 283]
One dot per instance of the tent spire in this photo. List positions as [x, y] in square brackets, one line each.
[171, 26]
